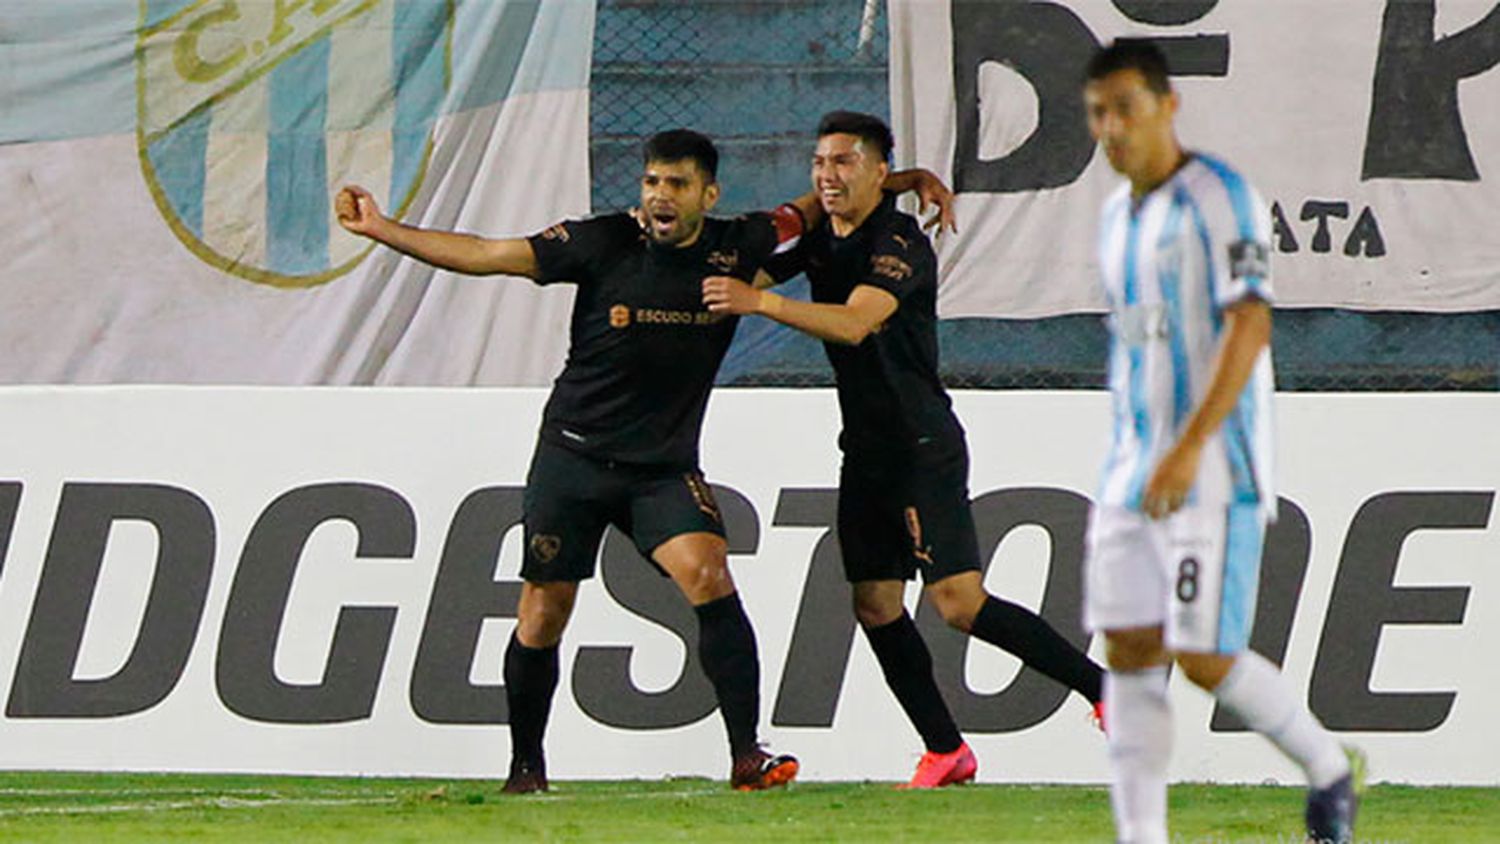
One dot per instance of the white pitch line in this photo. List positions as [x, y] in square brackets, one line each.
[127, 792]
[218, 803]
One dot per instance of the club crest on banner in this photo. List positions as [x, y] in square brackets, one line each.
[251, 113]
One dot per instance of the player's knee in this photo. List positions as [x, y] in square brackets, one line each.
[1205, 670]
[1136, 649]
[958, 602]
[543, 612]
[958, 614]
[875, 611]
[706, 581]
[541, 625]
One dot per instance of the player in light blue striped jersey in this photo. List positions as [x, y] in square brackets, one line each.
[1175, 541]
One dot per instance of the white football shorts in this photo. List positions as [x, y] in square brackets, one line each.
[1196, 574]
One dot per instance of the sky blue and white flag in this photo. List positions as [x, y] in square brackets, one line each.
[168, 169]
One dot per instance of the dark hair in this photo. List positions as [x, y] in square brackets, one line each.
[1140, 54]
[683, 145]
[866, 127]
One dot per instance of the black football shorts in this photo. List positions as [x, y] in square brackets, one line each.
[570, 498]
[898, 518]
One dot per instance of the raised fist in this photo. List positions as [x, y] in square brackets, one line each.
[357, 210]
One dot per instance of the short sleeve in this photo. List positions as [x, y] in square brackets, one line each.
[789, 225]
[1239, 240]
[781, 258]
[786, 265]
[567, 250]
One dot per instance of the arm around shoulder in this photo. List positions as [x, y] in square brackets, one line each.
[931, 192]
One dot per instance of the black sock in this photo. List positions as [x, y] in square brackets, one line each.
[530, 680]
[907, 665]
[1013, 628]
[726, 649]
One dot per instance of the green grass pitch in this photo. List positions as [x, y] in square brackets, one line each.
[69, 807]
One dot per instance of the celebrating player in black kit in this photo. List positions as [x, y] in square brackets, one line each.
[903, 488]
[619, 437]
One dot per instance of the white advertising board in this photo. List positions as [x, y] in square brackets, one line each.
[323, 581]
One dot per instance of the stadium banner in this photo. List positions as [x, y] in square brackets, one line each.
[168, 168]
[1369, 128]
[324, 580]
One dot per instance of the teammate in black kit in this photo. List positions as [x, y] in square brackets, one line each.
[619, 437]
[903, 488]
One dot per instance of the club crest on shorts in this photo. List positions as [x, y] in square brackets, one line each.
[544, 547]
[251, 114]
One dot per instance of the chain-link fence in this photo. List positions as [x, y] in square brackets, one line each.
[718, 66]
[756, 75]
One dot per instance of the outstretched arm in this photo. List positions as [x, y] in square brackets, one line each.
[466, 253]
[1247, 332]
[867, 308]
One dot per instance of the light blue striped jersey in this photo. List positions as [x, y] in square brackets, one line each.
[1171, 263]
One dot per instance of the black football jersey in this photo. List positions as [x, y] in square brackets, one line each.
[643, 349]
[891, 399]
